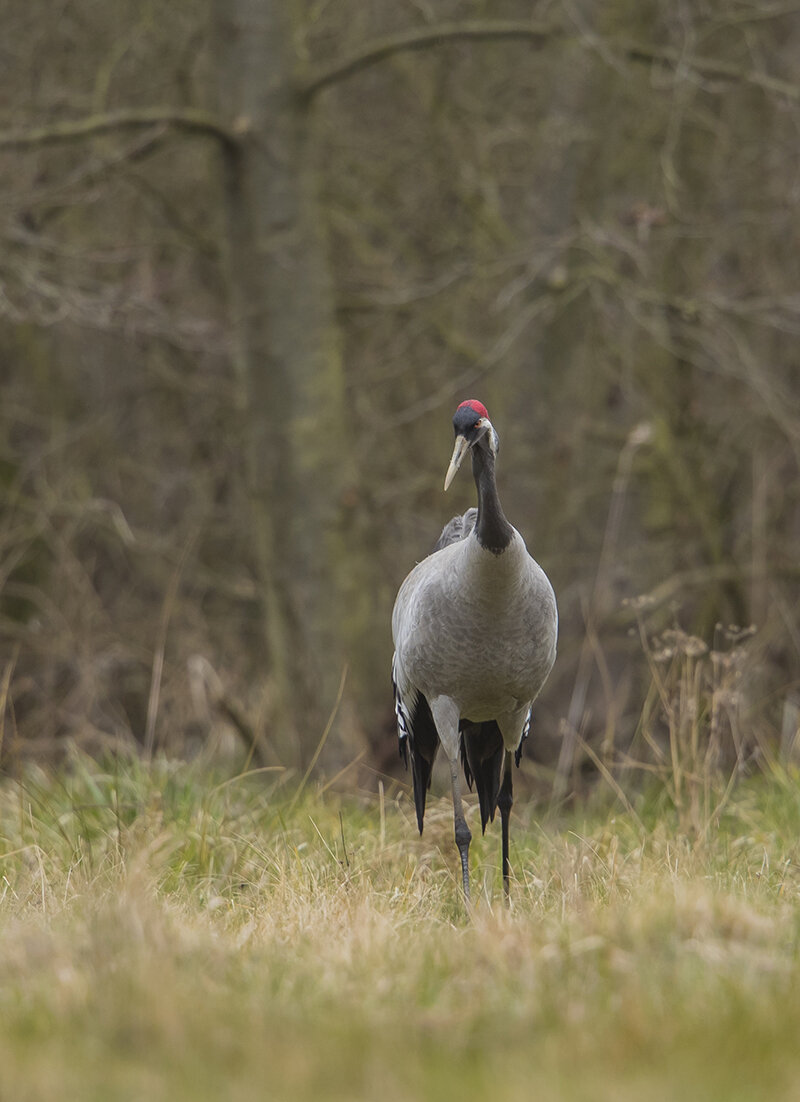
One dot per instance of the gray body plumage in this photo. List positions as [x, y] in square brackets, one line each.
[478, 629]
[474, 627]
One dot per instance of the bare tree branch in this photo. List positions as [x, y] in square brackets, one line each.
[310, 81]
[708, 66]
[315, 78]
[186, 118]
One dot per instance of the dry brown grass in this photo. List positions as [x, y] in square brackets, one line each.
[167, 937]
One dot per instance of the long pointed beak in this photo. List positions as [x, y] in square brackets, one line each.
[459, 451]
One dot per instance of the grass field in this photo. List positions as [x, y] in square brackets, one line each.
[170, 935]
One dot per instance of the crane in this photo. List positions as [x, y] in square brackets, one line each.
[474, 628]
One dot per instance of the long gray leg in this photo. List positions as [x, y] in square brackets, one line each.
[504, 802]
[463, 835]
[445, 716]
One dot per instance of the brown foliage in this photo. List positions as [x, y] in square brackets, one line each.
[590, 226]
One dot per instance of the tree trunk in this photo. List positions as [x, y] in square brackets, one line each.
[286, 353]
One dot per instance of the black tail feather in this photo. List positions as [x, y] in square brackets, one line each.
[482, 753]
[424, 742]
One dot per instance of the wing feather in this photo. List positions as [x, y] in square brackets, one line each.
[417, 736]
[457, 529]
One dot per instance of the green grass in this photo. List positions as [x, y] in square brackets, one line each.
[167, 935]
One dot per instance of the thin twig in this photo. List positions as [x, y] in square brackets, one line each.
[342, 771]
[4, 691]
[344, 844]
[322, 740]
[247, 773]
[158, 657]
[609, 778]
[639, 436]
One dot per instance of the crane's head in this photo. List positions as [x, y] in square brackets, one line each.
[472, 426]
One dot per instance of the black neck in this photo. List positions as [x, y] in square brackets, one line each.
[492, 529]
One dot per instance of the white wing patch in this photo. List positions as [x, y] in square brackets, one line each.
[525, 732]
[400, 708]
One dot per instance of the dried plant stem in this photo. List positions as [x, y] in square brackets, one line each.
[161, 643]
[323, 739]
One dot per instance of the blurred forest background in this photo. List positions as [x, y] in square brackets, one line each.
[254, 252]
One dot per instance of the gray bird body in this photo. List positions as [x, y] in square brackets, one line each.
[478, 629]
[474, 627]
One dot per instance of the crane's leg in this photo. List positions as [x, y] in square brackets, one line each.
[504, 802]
[445, 715]
[463, 834]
